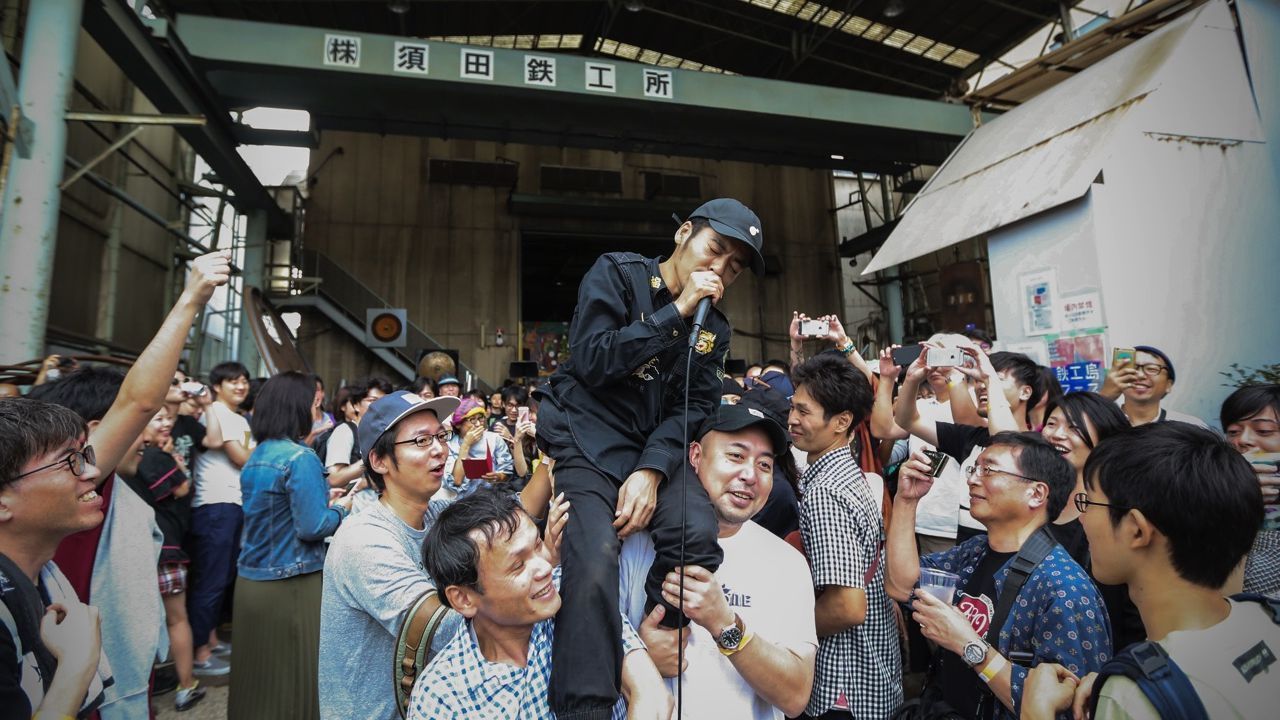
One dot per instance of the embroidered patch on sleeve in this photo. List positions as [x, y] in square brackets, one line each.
[706, 342]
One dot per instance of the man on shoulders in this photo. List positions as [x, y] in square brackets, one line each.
[752, 647]
[1139, 486]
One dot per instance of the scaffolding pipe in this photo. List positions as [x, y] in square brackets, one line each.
[142, 210]
[29, 219]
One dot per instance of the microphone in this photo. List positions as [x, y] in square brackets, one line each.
[699, 318]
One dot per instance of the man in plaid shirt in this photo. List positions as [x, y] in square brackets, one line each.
[859, 667]
[494, 568]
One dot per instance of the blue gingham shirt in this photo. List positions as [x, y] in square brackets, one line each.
[1058, 615]
[461, 683]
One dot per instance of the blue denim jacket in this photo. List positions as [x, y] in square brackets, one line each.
[286, 512]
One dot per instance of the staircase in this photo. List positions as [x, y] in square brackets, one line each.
[314, 281]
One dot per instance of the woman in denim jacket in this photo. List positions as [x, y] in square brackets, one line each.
[287, 517]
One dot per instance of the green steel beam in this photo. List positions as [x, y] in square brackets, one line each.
[254, 62]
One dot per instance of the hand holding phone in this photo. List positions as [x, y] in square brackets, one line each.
[814, 328]
[944, 357]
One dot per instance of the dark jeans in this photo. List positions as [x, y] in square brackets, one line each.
[587, 656]
[215, 547]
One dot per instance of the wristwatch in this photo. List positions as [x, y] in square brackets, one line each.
[731, 637]
[974, 653]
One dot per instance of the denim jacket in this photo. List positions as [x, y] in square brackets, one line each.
[286, 512]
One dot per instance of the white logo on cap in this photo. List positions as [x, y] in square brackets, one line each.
[754, 230]
[413, 399]
[756, 412]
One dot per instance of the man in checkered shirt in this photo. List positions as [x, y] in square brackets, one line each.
[859, 667]
[486, 554]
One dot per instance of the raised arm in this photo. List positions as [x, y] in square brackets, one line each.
[905, 413]
[882, 423]
[145, 386]
[902, 562]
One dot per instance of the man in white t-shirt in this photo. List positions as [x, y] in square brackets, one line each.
[1170, 510]
[216, 515]
[750, 649]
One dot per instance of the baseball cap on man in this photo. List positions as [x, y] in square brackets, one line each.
[1160, 354]
[386, 411]
[732, 418]
[735, 220]
[448, 380]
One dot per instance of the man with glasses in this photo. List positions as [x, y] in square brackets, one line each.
[50, 657]
[1144, 384]
[1016, 485]
[373, 574]
[1170, 510]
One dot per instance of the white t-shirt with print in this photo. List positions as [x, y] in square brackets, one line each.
[938, 511]
[768, 585]
[337, 451]
[1234, 667]
[217, 478]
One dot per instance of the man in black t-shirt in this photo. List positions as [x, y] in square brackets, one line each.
[188, 433]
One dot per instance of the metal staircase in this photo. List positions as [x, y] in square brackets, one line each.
[315, 281]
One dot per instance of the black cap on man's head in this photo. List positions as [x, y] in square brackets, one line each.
[732, 418]
[734, 220]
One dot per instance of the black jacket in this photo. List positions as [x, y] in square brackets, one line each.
[619, 398]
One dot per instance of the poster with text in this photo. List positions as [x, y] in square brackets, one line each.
[1039, 298]
[1078, 358]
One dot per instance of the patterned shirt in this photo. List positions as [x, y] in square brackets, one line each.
[843, 534]
[1058, 617]
[1262, 568]
[461, 683]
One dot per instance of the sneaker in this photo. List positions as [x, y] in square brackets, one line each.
[222, 649]
[188, 697]
[213, 667]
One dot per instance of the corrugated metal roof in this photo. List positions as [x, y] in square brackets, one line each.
[1048, 151]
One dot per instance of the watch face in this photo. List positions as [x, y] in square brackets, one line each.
[730, 637]
[974, 653]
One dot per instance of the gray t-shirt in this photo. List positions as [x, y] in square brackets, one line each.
[372, 576]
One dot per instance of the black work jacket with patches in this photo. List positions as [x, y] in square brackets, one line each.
[619, 398]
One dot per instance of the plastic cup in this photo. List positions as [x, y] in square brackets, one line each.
[939, 583]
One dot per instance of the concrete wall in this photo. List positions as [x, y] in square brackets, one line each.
[450, 254]
[1181, 239]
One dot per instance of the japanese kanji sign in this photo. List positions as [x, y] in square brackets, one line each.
[657, 83]
[476, 64]
[1081, 310]
[539, 70]
[342, 50]
[411, 58]
[602, 77]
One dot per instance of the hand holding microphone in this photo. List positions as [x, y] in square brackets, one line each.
[701, 290]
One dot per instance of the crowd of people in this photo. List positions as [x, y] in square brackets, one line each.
[641, 534]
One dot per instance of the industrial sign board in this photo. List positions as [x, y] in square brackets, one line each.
[385, 327]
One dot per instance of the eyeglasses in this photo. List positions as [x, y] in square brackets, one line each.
[423, 441]
[987, 471]
[1151, 369]
[1083, 502]
[76, 460]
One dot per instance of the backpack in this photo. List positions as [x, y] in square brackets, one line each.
[413, 645]
[321, 443]
[1166, 686]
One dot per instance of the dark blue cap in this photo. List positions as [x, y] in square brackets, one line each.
[1160, 354]
[388, 410]
[734, 220]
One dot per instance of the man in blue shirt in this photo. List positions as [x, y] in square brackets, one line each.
[496, 571]
[1015, 485]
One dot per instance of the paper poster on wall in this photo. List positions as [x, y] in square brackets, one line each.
[1081, 311]
[1078, 358]
[1039, 297]
[1034, 349]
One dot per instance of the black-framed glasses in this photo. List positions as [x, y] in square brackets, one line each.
[1083, 502]
[1151, 369]
[77, 460]
[987, 471]
[423, 441]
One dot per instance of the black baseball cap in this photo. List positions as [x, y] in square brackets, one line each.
[734, 220]
[732, 418]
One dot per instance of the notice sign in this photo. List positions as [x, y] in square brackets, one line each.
[1081, 311]
[1038, 293]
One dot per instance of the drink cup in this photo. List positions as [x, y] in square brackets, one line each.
[939, 583]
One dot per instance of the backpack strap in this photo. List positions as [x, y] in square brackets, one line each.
[413, 645]
[1269, 604]
[1160, 679]
[1033, 551]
